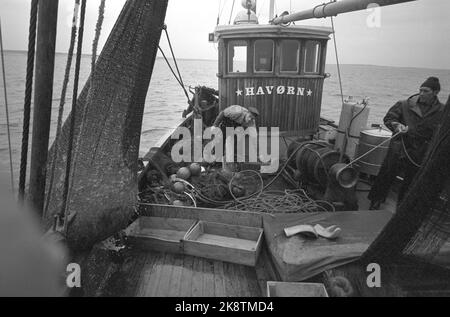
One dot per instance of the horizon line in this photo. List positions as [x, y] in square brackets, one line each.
[206, 59]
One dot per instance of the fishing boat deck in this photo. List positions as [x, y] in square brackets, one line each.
[133, 272]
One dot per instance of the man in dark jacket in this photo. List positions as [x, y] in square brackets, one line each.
[415, 120]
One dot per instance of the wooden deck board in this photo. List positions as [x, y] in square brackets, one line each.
[186, 277]
[165, 277]
[151, 285]
[175, 282]
[219, 280]
[197, 277]
[208, 278]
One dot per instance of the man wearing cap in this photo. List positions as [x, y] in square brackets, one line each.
[415, 120]
[232, 117]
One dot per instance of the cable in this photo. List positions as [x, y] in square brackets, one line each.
[27, 102]
[62, 103]
[7, 111]
[231, 13]
[64, 209]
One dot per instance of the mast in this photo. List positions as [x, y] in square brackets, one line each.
[45, 62]
[333, 9]
[272, 10]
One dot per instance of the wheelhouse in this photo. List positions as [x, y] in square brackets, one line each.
[279, 70]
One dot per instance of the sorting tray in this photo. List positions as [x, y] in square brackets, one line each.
[222, 242]
[160, 234]
[286, 289]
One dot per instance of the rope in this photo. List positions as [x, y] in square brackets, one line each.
[27, 102]
[407, 155]
[62, 102]
[7, 111]
[98, 29]
[74, 112]
[340, 84]
[231, 13]
[179, 77]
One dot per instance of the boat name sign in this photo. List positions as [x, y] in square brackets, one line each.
[270, 90]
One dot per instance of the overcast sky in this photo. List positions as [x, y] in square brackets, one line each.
[415, 34]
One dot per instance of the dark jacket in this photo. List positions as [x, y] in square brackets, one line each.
[421, 127]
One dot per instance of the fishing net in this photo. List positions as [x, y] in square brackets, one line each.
[421, 225]
[108, 120]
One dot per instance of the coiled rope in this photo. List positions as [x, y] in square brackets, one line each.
[27, 102]
[7, 111]
[62, 103]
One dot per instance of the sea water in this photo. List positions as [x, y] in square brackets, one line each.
[166, 101]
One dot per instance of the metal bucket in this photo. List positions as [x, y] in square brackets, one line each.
[371, 163]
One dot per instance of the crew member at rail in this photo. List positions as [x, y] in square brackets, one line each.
[416, 119]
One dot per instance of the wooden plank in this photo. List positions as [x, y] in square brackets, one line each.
[175, 281]
[145, 275]
[219, 279]
[232, 231]
[231, 243]
[186, 277]
[253, 284]
[216, 252]
[152, 284]
[249, 219]
[197, 277]
[230, 283]
[285, 289]
[208, 278]
[165, 276]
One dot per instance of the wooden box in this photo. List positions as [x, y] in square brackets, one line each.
[160, 234]
[285, 289]
[222, 242]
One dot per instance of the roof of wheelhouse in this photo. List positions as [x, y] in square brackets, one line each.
[257, 30]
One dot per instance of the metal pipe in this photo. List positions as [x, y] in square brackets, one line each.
[333, 9]
[45, 62]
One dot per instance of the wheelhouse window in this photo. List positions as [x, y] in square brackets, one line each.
[237, 57]
[290, 52]
[312, 57]
[264, 51]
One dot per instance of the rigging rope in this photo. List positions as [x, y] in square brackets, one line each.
[62, 103]
[98, 29]
[340, 85]
[27, 102]
[73, 114]
[231, 13]
[7, 111]
[178, 78]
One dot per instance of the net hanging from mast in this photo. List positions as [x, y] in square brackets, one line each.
[103, 188]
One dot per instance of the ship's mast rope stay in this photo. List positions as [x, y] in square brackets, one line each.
[7, 111]
[62, 103]
[70, 171]
[63, 210]
[178, 77]
[27, 102]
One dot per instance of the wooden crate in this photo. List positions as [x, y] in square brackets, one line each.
[160, 234]
[285, 289]
[228, 243]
